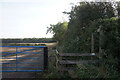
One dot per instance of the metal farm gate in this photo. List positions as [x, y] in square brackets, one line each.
[23, 58]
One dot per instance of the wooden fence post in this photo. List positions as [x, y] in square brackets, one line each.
[92, 43]
[101, 52]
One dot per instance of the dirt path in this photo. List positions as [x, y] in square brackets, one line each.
[32, 63]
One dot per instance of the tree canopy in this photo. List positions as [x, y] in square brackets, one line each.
[85, 19]
[58, 30]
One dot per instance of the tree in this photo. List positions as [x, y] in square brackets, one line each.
[118, 8]
[58, 30]
[79, 26]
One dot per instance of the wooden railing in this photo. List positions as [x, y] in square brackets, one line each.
[75, 58]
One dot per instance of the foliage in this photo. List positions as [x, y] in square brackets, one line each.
[118, 8]
[53, 73]
[86, 19]
[87, 71]
[80, 28]
[58, 30]
[111, 45]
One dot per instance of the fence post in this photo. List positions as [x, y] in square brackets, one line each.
[45, 58]
[92, 45]
[101, 52]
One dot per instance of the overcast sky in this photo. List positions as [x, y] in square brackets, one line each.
[30, 18]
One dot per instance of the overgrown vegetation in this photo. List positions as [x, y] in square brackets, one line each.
[86, 19]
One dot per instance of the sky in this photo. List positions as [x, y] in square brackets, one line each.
[30, 18]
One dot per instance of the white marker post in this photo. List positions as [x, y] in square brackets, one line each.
[93, 54]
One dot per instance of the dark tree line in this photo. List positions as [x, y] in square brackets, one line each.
[28, 40]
